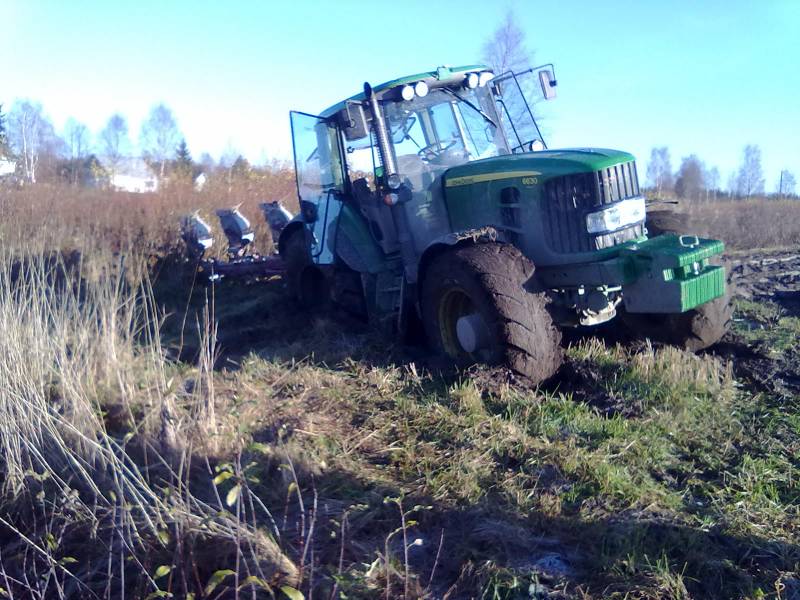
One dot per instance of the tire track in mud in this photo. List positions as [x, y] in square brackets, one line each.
[767, 275]
[774, 276]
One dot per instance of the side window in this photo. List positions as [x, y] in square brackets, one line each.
[317, 159]
[360, 156]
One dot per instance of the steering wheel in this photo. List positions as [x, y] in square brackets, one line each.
[434, 150]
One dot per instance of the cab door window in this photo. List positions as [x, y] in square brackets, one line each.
[320, 179]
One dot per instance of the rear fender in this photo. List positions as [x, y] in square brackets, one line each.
[481, 235]
[295, 224]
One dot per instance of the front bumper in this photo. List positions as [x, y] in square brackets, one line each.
[666, 274]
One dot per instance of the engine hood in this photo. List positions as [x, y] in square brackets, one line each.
[543, 164]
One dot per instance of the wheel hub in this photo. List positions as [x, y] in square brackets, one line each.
[472, 332]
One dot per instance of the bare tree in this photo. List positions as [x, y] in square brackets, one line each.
[506, 49]
[76, 135]
[750, 178]
[732, 184]
[114, 141]
[659, 170]
[160, 136]
[31, 134]
[690, 180]
[4, 147]
[712, 182]
[787, 183]
[206, 162]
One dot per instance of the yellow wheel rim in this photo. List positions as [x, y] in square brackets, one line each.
[454, 304]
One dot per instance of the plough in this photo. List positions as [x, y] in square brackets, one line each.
[198, 236]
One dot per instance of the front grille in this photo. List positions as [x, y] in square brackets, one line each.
[569, 198]
[618, 182]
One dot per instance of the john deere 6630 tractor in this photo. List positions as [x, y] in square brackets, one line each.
[433, 198]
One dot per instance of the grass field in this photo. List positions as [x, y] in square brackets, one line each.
[161, 438]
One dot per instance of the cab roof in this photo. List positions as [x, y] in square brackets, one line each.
[441, 74]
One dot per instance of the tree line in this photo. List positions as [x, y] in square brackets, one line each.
[28, 137]
[694, 181]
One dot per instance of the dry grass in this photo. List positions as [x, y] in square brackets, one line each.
[747, 224]
[67, 218]
[320, 454]
[100, 477]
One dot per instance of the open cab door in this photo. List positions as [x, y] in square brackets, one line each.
[320, 181]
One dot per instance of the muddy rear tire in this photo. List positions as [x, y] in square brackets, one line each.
[487, 283]
[304, 280]
[664, 219]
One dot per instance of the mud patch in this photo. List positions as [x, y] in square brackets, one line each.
[768, 275]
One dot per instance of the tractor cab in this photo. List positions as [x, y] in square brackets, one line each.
[392, 144]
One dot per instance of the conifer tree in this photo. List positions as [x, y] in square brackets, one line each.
[184, 165]
[182, 154]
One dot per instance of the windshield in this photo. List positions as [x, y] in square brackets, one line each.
[443, 129]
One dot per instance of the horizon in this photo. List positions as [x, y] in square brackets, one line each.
[215, 68]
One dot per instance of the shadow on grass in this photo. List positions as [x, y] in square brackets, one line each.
[260, 317]
[483, 551]
[483, 547]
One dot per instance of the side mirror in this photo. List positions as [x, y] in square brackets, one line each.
[548, 81]
[353, 121]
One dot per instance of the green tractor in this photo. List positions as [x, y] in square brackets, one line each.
[433, 199]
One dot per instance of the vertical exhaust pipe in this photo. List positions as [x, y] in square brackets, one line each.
[385, 152]
[399, 216]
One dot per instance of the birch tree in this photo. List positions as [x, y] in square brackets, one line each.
[750, 178]
[114, 141]
[506, 49]
[786, 183]
[659, 170]
[160, 136]
[4, 149]
[29, 133]
[76, 135]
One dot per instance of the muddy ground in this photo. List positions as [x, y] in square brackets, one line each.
[770, 278]
[258, 316]
[768, 275]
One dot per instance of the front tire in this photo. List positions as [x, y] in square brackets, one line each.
[476, 296]
[694, 330]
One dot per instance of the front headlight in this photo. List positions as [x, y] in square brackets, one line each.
[616, 216]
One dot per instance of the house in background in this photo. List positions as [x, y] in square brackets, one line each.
[132, 175]
[200, 182]
[7, 167]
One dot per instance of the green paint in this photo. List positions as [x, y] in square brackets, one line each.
[552, 163]
[354, 227]
[664, 275]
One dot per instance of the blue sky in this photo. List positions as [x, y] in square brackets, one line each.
[699, 77]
